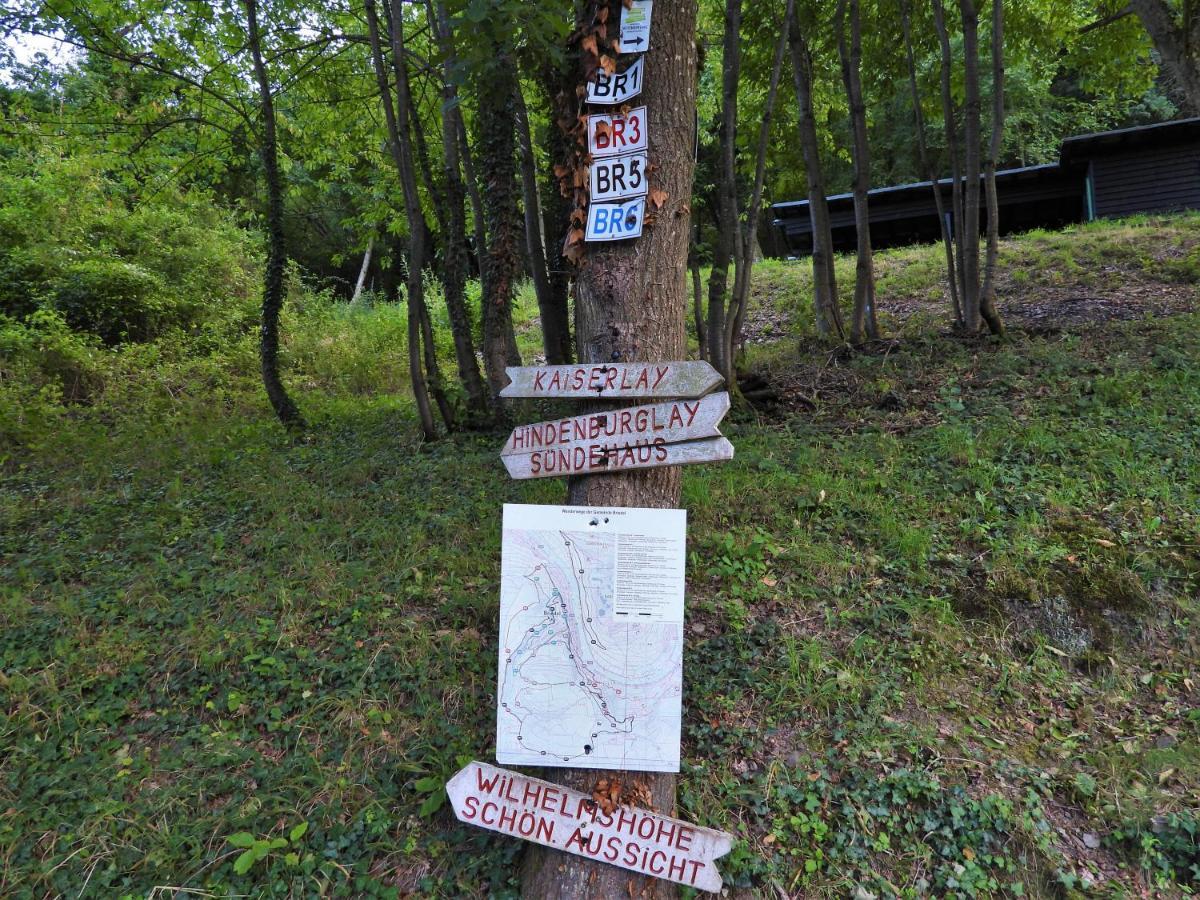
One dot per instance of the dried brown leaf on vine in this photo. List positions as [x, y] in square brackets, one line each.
[658, 197]
[589, 44]
[578, 216]
[616, 46]
[607, 795]
[608, 64]
[602, 15]
[603, 129]
[581, 177]
[628, 4]
[560, 171]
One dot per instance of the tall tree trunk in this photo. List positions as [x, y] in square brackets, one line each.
[956, 184]
[497, 113]
[631, 306]
[971, 165]
[864, 324]
[454, 262]
[478, 219]
[273, 289]
[362, 272]
[825, 299]
[745, 266]
[697, 294]
[433, 371]
[555, 79]
[987, 295]
[556, 333]
[927, 164]
[1178, 44]
[398, 140]
[721, 314]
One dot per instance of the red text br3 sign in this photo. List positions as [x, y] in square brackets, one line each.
[610, 135]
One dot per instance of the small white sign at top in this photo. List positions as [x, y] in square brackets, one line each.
[635, 26]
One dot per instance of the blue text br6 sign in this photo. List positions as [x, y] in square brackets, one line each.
[615, 221]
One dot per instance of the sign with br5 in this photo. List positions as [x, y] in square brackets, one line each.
[618, 177]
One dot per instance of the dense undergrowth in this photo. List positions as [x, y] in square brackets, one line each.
[942, 606]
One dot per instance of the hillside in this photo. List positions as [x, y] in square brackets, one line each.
[942, 605]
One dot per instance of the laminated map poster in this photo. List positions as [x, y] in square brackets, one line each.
[591, 637]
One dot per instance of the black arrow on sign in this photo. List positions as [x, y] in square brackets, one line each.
[635, 41]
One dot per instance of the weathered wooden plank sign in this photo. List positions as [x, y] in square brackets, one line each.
[613, 133]
[613, 381]
[618, 177]
[618, 87]
[617, 457]
[635, 26]
[556, 816]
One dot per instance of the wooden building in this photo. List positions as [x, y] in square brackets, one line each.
[1152, 168]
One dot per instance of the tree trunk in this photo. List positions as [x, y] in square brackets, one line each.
[971, 167]
[631, 306]
[864, 324]
[927, 164]
[697, 295]
[398, 140]
[745, 266]
[556, 333]
[454, 262]
[362, 272]
[825, 300]
[987, 295]
[478, 219]
[1178, 46]
[555, 78]
[497, 113]
[956, 185]
[722, 315]
[273, 288]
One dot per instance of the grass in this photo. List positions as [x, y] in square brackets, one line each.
[942, 611]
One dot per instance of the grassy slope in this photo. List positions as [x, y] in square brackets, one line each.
[941, 624]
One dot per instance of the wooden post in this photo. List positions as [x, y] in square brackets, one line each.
[630, 305]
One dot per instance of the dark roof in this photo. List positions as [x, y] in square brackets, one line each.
[1004, 174]
[1085, 145]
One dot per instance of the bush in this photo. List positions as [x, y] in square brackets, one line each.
[114, 300]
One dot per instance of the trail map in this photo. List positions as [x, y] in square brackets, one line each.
[591, 637]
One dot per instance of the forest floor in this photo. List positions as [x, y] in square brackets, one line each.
[942, 607]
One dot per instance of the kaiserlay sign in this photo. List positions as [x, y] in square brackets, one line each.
[567, 820]
[593, 458]
[618, 177]
[615, 221]
[635, 26]
[613, 381]
[610, 134]
[618, 87]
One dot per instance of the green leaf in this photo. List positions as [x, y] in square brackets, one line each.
[432, 804]
[428, 784]
[298, 832]
[241, 839]
[242, 864]
[275, 844]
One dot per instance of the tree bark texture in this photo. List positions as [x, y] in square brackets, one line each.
[1177, 41]
[729, 226]
[987, 294]
[863, 325]
[273, 288]
[697, 297]
[927, 164]
[556, 333]
[497, 113]
[631, 306]
[825, 300]
[398, 141]
[556, 82]
[956, 186]
[971, 165]
[454, 258]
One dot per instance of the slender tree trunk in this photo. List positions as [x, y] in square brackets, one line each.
[697, 294]
[864, 324]
[273, 288]
[722, 315]
[971, 164]
[956, 185]
[631, 306]
[1178, 46]
[362, 272]
[825, 300]
[987, 295]
[434, 371]
[478, 219]
[555, 79]
[556, 333]
[497, 113]
[745, 266]
[454, 262]
[927, 164]
[718, 280]
[402, 156]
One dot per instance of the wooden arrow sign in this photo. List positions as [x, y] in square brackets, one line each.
[613, 381]
[670, 422]
[556, 816]
[618, 456]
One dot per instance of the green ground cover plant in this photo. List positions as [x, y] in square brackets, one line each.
[941, 623]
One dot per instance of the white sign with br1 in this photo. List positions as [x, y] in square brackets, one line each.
[618, 87]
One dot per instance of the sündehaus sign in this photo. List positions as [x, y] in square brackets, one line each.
[567, 820]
